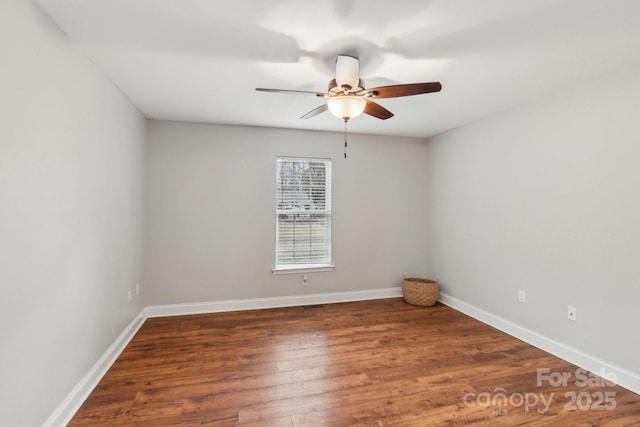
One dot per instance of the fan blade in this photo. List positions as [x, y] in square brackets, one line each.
[395, 91]
[377, 110]
[315, 111]
[299, 92]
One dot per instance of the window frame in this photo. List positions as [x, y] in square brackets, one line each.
[309, 267]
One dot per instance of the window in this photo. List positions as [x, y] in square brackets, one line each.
[303, 212]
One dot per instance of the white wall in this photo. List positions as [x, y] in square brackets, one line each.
[546, 199]
[71, 157]
[210, 220]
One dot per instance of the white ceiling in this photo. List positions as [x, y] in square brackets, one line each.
[200, 60]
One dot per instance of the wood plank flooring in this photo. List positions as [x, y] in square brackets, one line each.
[369, 363]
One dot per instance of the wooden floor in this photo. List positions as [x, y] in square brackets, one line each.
[370, 363]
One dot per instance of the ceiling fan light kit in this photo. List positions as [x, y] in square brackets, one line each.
[346, 107]
[347, 96]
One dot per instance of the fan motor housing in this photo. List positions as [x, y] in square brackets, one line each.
[333, 87]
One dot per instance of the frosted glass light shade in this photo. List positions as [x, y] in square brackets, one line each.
[346, 107]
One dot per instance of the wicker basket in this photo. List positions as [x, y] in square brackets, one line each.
[420, 291]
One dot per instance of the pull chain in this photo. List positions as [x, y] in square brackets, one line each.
[345, 139]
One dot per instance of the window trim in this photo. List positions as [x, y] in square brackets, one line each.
[302, 268]
[305, 268]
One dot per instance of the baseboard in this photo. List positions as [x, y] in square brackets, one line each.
[67, 409]
[63, 414]
[271, 302]
[625, 378]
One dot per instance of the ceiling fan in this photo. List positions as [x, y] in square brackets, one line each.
[347, 96]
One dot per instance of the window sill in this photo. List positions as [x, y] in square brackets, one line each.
[296, 269]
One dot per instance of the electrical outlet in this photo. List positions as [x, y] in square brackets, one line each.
[522, 297]
[137, 289]
[571, 313]
[129, 296]
[305, 280]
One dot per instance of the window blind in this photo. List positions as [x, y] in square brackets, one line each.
[303, 211]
